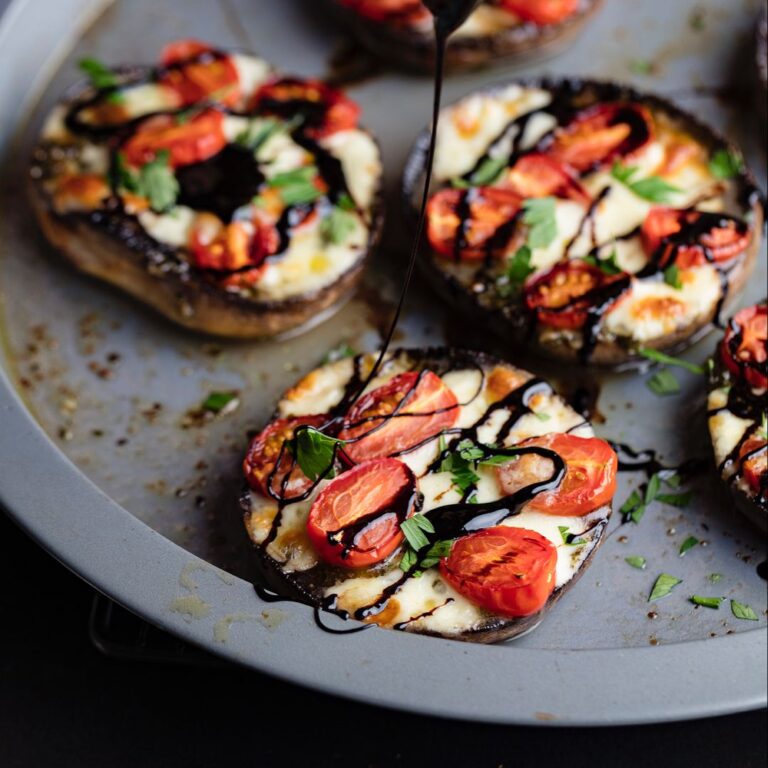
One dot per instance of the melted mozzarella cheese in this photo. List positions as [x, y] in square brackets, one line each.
[251, 71]
[172, 228]
[360, 161]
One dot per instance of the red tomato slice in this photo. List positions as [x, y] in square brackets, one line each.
[406, 411]
[398, 11]
[754, 463]
[508, 571]
[743, 348]
[193, 141]
[260, 464]
[197, 72]
[590, 474]
[725, 239]
[326, 110]
[537, 175]
[562, 297]
[355, 520]
[474, 215]
[601, 134]
[541, 12]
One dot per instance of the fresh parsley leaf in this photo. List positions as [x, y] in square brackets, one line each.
[221, 402]
[672, 277]
[725, 164]
[314, 452]
[663, 382]
[660, 357]
[539, 215]
[488, 171]
[608, 265]
[518, 269]
[338, 353]
[414, 529]
[689, 543]
[636, 561]
[652, 188]
[157, 182]
[742, 611]
[663, 586]
[338, 225]
[569, 538]
[707, 602]
[715, 577]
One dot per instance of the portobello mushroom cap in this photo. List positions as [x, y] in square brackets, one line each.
[287, 564]
[509, 320]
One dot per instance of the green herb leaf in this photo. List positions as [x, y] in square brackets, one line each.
[541, 416]
[654, 484]
[707, 602]
[488, 171]
[652, 188]
[764, 426]
[742, 611]
[715, 577]
[689, 543]
[672, 277]
[221, 402]
[345, 202]
[435, 553]
[101, 76]
[540, 217]
[725, 164]
[338, 225]
[414, 531]
[296, 186]
[636, 561]
[460, 183]
[125, 177]
[518, 269]
[314, 452]
[569, 538]
[641, 66]
[663, 383]
[338, 353]
[157, 182]
[660, 357]
[408, 560]
[608, 265]
[675, 499]
[634, 507]
[663, 586]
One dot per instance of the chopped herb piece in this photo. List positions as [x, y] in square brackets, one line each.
[663, 383]
[726, 164]
[696, 20]
[460, 184]
[256, 134]
[689, 543]
[518, 269]
[157, 182]
[540, 217]
[569, 538]
[633, 508]
[654, 484]
[408, 560]
[675, 499]
[707, 602]
[346, 203]
[636, 561]
[488, 171]
[742, 611]
[221, 402]
[672, 277]
[663, 586]
[414, 530]
[608, 265]
[496, 460]
[338, 225]
[541, 416]
[469, 451]
[315, 452]
[101, 76]
[672, 479]
[715, 577]
[764, 426]
[660, 357]
[125, 177]
[338, 353]
[297, 186]
[651, 188]
[436, 552]
[641, 66]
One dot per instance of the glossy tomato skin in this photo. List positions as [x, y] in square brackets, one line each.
[562, 297]
[505, 570]
[542, 12]
[197, 139]
[537, 175]
[461, 223]
[590, 476]
[196, 72]
[704, 234]
[326, 110]
[743, 348]
[600, 135]
[355, 520]
[260, 465]
[378, 424]
[754, 463]
[397, 11]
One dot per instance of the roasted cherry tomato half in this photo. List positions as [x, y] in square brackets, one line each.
[355, 520]
[397, 11]
[590, 474]
[536, 175]
[197, 72]
[601, 134]
[409, 409]
[753, 456]
[192, 141]
[562, 297]
[743, 348]
[691, 238]
[508, 571]
[260, 465]
[461, 223]
[541, 12]
[325, 110]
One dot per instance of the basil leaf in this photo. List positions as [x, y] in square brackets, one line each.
[608, 266]
[346, 203]
[408, 560]
[569, 538]
[337, 226]
[541, 416]
[663, 383]
[636, 561]
[314, 452]
[725, 164]
[488, 171]
[157, 182]
[675, 499]
[663, 586]
[742, 611]
[296, 186]
[715, 577]
[707, 602]
[652, 188]
[125, 177]
[413, 529]
[660, 357]
[654, 484]
[101, 76]
[518, 270]
[539, 215]
[689, 543]
[338, 353]
[221, 402]
[672, 277]
[633, 508]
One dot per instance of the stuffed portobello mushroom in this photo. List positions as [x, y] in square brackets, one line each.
[497, 31]
[584, 219]
[455, 495]
[232, 199]
[738, 411]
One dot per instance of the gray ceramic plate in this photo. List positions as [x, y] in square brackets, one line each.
[95, 464]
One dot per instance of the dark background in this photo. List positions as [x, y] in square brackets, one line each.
[63, 703]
